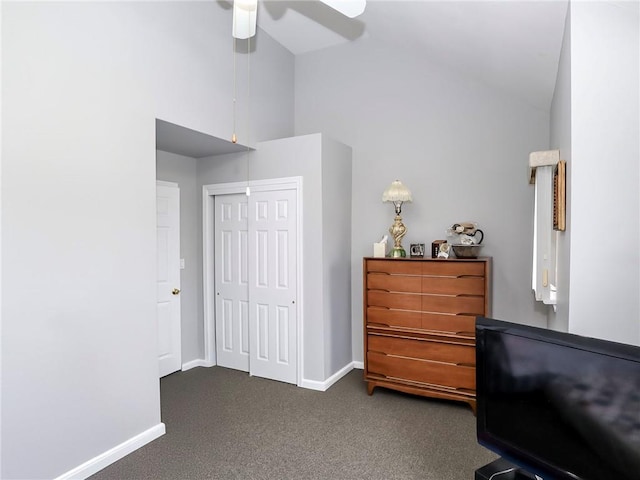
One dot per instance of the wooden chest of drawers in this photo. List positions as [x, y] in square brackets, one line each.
[419, 324]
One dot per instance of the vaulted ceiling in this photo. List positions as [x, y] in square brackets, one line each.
[510, 44]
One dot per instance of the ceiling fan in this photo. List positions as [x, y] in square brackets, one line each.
[245, 12]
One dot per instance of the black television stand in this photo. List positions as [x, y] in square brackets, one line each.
[500, 465]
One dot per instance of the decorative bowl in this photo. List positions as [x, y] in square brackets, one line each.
[466, 251]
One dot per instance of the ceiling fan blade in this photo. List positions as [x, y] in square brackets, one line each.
[244, 18]
[350, 8]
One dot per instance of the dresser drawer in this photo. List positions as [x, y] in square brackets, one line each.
[432, 322]
[407, 267]
[394, 283]
[404, 301]
[460, 324]
[461, 304]
[394, 318]
[423, 371]
[453, 268]
[453, 285]
[423, 349]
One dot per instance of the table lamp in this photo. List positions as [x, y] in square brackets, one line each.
[397, 194]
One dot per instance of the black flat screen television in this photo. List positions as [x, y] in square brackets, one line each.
[558, 405]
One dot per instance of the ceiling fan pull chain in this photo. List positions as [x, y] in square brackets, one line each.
[234, 138]
[248, 108]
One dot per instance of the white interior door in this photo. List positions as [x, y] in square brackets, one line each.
[168, 281]
[272, 285]
[256, 284]
[232, 284]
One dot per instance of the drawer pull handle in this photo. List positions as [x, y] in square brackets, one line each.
[378, 352]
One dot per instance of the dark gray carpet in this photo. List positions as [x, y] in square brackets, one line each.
[224, 424]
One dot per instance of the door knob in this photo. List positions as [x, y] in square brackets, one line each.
[175, 291]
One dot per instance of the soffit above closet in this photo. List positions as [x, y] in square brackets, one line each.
[184, 141]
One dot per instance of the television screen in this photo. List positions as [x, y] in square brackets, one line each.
[558, 405]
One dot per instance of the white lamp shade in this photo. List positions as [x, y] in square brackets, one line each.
[397, 192]
[244, 18]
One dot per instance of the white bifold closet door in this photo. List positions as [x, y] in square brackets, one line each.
[255, 277]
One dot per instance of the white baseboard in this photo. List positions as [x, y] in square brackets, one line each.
[116, 453]
[358, 365]
[196, 363]
[323, 386]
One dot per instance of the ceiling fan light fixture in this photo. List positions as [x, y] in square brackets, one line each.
[244, 18]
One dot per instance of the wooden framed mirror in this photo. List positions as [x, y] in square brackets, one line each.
[560, 196]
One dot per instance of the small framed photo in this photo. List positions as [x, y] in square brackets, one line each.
[417, 250]
[435, 248]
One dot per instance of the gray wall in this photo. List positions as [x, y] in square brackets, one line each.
[336, 254]
[318, 160]
[182, 170]
[286, 158]
[594, 123]
[605, 172]
[277, 159]
[82, 86]
[561, 139]
[460, 146]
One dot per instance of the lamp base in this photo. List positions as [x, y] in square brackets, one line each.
[397, 253]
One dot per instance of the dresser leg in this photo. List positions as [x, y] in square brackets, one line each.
[370, 387]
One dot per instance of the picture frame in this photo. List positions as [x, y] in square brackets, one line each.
[560, 196]
[416, 250]
[435, 247]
